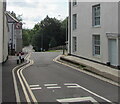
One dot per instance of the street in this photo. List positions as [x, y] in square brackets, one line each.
[48, 81]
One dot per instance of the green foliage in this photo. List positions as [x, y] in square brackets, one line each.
[52, 43]
[49, 33]
[25, 37]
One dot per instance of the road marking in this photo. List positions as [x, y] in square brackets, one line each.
[34, 85]
[31, 93]
[81, 99]
[36, 88]
[50, 84]
[83, 71]
[72, 85]
[23, 87]
[53, 87]
[15, 82]
[19, 72]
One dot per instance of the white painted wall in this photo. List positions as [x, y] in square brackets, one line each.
[3, 35]
[1, 32]
[84, 31]
[5, 46]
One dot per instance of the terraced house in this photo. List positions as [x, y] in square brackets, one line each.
[3, 33]
[94, 31]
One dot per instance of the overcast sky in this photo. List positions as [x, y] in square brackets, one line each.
[33, 11]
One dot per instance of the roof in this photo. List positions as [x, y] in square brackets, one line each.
[11, 19]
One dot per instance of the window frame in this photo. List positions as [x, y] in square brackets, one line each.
[96, 15]
[74, 21]
[74, 2]
[74, 43]
[96, 45]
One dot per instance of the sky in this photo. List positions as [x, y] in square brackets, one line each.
[33, 11]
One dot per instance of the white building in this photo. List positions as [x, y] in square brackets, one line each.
[15, 34]
[94, 31]
[3, 33]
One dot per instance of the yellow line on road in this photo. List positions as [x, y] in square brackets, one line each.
[15, 82]
[27, 85]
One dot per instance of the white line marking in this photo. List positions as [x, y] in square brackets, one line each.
[50, 84]
[55, 60]
[81, 99]
[93, 75]
[37, 88]
[72, 84]
[34, 85]
[53, 87]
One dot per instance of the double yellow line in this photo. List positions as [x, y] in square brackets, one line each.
[23, 82]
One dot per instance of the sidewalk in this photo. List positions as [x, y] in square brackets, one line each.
[102, 70]
[7, 80]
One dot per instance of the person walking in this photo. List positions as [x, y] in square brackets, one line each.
[20, 57]
[17, 58]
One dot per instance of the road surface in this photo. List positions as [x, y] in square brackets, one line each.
[48, 81]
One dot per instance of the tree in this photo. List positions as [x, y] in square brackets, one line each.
[52, 43]
[25, 37]
[50, 32]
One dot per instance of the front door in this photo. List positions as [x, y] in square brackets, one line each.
[112, 51]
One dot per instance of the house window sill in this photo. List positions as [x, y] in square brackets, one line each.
[97, 56]
[97, 26]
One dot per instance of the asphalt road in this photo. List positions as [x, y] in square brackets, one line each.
[53, 82]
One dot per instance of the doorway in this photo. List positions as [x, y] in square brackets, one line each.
[112, 51]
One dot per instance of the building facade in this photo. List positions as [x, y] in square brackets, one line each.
[94, 31]
[15, 34]
[3, 33]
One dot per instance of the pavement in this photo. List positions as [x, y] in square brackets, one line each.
[7, 80]
[99, 69]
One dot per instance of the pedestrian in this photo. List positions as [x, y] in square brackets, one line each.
[17, 58]
[20, 57]
[23, 57]
[22, 54]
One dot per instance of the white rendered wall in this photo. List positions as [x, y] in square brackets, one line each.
[1, 32]
[85, 30]
[5, 50]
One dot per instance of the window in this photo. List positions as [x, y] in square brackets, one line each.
[96, 44]
[74, 44]
[74, 21]
[74, 2]
[96, 15]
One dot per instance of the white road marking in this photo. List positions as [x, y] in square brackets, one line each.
[53, 87]
[36, 88]
[83, 71]
[81, 86]
[34, 85]
[72, 84]
[81, 99]
[50, 84]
